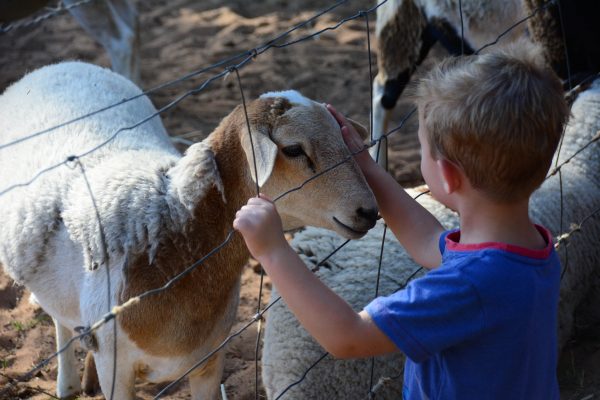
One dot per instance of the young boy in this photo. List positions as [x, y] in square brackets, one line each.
[482, 323]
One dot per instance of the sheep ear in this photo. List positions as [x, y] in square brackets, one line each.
[266, 152]
[362, 131]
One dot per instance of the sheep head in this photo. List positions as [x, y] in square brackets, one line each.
[294, 139]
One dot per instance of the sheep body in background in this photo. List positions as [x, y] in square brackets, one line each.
[407, 29]
[352, 272]
[160, 212]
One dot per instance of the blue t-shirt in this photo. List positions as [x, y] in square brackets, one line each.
[483, 325]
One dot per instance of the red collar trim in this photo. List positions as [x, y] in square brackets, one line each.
[453, 238]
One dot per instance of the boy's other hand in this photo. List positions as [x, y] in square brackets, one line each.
[260, 225]
[351, 138]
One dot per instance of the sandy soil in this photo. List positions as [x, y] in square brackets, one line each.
[181, 36]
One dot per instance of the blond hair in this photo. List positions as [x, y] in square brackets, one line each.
[498, 116]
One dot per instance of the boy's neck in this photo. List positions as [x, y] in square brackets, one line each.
[482, 221]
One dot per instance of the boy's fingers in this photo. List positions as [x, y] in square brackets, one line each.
[238, 224]
[352, 141]
[332, 109]
[339, 117]
[254, 201]
[348, 130]
[265, 197]
[246, 208]
[334, 112]
[244, 221]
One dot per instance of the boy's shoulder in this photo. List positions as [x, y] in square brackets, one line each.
[502, 273]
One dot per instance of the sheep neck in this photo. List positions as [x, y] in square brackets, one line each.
[185, 316]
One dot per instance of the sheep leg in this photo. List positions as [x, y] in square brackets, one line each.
[89, 381]
[380, 116]
[126, 12]
[114, 25]
[124, 387]
[204, 384]
[68, 378]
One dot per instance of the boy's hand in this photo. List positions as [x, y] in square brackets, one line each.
[260, 225]
[351, 138]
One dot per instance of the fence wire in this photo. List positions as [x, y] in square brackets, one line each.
[52, 12]
[258, 316]
[563, 238]
[105, 256]
[249, 56]
[118, 309]
[246, 57]
[262, 272]
[225, 62]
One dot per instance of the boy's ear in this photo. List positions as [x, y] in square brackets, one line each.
[451, 174]
[362, 131]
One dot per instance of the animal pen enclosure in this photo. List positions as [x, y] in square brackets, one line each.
[180, 40]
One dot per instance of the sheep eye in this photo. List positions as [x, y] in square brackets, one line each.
[293, 151]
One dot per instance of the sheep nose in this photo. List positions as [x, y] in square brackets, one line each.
[369, 214]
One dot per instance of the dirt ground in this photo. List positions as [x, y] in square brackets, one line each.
[181, 36]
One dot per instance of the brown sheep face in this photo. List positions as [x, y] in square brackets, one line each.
[305, 141]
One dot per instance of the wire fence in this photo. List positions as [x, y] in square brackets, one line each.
[229, 66]
[50, 13]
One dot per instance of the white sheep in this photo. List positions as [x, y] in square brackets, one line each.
[352, 272]
[407, 29]
[160, 213]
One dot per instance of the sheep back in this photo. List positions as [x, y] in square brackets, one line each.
[49, 97]
[579, 253]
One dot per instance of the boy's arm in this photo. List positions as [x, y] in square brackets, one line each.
[326, 316]
[414, 227]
